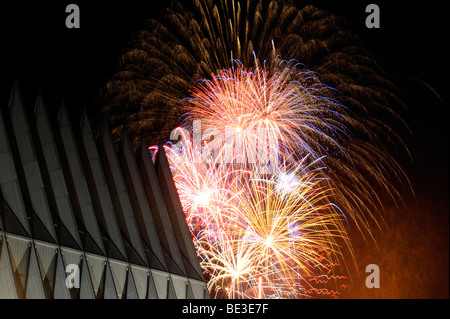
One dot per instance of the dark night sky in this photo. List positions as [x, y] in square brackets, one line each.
[78, 61]
[75, 63]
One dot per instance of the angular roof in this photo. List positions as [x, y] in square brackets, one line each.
[68, 199]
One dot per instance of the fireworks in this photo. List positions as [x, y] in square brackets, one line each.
[273, 117]
[258, 232]
[253, 178]
[251, 234]
[271, 164]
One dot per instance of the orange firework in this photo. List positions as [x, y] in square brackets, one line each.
[264, 198]
[262, 118]
[257, 233]
[254, 134]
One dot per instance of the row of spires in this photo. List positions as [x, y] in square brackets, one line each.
[88, 195]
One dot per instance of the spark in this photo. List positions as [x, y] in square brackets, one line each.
[293, 166]
[253, 233]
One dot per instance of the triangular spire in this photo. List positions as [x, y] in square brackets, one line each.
[16, 97]
[8, 287]
[151, 288]
[130, 286]
[171, 294]
[86, 290]
[108, 288]
[39, 107]
[34, 287]
[85, 125]
[63, 115]
[189, 292]
[60, 290]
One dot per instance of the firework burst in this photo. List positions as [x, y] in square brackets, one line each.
[270, 167]
[286, 113]
[268, 229]
[253, 231]
[260, 233]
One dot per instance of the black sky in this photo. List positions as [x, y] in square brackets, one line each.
[40, 49]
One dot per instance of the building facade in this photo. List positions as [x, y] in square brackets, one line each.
[85, 218]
